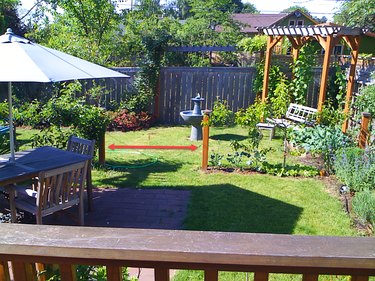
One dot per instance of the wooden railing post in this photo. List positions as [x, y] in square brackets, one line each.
[310, 277]
[211, 275]
[68, 272]
[205, 141]
[364, 132]
[261, 276]
[161, 274]
[114, 273]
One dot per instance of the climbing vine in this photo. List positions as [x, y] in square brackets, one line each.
[302, 72]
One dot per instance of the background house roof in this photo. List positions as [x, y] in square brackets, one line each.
[250, 22]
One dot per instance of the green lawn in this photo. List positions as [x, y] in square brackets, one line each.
[223, 201]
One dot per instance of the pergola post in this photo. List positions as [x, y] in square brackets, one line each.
[327, 44]
[271, 42]
[353, 43]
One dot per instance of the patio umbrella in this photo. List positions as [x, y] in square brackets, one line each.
[25, 61]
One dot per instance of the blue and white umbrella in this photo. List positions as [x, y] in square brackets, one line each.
[25, 61]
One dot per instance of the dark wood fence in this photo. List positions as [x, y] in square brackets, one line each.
[179, 84]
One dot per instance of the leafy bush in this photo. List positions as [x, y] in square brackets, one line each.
[319, 139]
[363, 204]
[365, 102]
[131, 121]
[92, 123]
[29, 115]
[289, 170]
[356, 168]
[52, 136]
[250, 117]
[221, 115]
[253, 44]
[331, 116]
[280, 98]
[4, 110]
[65, 110]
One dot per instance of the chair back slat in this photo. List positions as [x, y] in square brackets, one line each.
[60, 188]
[81, 146]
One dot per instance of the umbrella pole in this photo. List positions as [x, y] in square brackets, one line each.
[11, 131]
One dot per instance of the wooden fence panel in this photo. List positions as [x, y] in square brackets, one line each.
[180, 84]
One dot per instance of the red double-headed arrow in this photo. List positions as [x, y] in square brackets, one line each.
[187, 147]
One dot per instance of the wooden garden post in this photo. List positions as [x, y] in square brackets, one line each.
[353, 43]
[205, 141]
[101, 147]
[364, 132]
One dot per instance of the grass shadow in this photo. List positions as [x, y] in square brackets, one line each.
[230, 208]
[126, 175]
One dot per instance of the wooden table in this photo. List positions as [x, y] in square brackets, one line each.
[29, 163]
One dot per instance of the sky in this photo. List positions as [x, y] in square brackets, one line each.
[318, 8]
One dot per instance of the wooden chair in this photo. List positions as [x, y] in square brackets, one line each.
[86, 147]
[56, 190]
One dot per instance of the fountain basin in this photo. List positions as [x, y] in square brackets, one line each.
[191, 118]
[195, 121]
[194, 118]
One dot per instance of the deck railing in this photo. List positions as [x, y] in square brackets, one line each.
[23, 245]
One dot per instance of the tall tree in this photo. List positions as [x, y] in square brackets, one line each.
[296, 7]
[179, 9]
[249, 8]
[147, 8]
[357, 13]
[9, 17]
[88, 29]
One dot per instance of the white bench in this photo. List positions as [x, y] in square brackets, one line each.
[296, 113]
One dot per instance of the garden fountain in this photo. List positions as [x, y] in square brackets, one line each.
[194, 118]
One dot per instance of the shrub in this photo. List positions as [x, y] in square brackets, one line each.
[221, 114]
[131, 121]
[363, 204]
[356, 168]
[29, 114]
[319, 139]
[52, 136]
[92, 123]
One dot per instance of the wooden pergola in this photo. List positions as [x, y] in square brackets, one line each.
[328, 35]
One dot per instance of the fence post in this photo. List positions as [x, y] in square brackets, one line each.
[206, 135]
[364, 132]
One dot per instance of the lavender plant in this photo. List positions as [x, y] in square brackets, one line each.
[356, 168]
